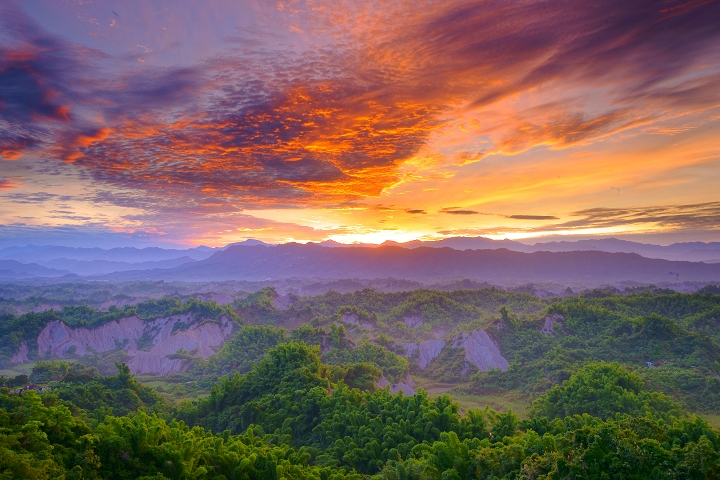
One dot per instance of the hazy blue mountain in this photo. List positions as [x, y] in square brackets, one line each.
[35, 253]
[312, 260]
[250, 242]
[464, 243]
[265, 262]
[11, 269]
[98, 267]
[691, 251]
[694, 251]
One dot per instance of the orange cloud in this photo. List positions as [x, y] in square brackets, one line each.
[7, 184]
[72, 150]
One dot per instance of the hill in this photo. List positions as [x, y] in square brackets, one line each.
[12, 269]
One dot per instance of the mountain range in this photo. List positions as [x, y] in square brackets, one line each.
[423, 263]
[690, 251]
[585, 261]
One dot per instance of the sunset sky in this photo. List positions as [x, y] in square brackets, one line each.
[191, 123]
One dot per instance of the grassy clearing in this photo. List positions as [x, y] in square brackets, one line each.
[172, 390]
[501, 402]
[713, 419]
[16, 370]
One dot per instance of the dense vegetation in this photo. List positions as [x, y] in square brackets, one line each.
[99, 395]
[288, 418]
[294, 393]
[452, 311]
[251, 342]
[26, 296]
[678, 334]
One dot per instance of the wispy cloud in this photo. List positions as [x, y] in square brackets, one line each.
[458, 211]
[532, 217]
[30, 198]
[703, 216]
[8, 184]
[666, 219]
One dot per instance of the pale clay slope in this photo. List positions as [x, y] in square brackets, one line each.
[352, 319]
[426, 351]
[405, 386]
[21, 356]
[57, 339]
[480, 350]
[548, 327]
[413, 321]
[282, 302]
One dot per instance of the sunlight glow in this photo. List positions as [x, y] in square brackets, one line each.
[380, 236]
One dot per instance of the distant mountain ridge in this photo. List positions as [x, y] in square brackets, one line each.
[99, 267]
[37, 253]
[689, 251]
[256, 260]
[15, 269]
[59, 260]
[424, 263]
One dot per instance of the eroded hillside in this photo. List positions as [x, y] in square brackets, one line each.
[476, 341]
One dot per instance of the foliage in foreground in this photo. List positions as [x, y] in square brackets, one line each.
[288, 418]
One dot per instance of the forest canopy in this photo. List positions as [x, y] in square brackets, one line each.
[287, 418]
[295, 392]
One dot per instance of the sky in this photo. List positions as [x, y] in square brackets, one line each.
[185, 123]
